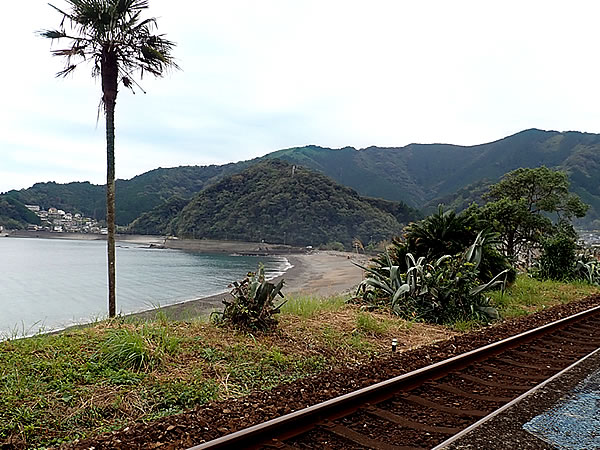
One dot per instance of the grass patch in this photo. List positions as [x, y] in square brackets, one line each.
[463, 326]
[528, 295]
[369, 324]
[308, 306]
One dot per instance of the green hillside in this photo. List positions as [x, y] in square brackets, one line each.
[425, 174]
[271, 201]
[160, 220]
[420, 175]
[14, 214]
[134, 197]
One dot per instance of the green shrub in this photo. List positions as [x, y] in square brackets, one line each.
[252, 307]
[448, 233]
[442, 291]
[557, 261]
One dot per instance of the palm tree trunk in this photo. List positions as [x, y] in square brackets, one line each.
[109, 87]
[110, 208]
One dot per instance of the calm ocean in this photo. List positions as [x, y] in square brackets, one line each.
[47, 284]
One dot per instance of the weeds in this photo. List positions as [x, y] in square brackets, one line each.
[308, 306]
[368, 324]
[135, 349]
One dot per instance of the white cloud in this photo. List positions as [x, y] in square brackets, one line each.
[268, 74]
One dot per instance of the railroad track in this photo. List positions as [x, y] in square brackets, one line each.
[425, 407]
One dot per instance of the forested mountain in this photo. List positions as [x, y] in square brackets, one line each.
[134, 196]
[161, 219]
[419, 175]
[14, 215]
[274, 201]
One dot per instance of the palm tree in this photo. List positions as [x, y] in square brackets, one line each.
[112, 36]
[441, 233]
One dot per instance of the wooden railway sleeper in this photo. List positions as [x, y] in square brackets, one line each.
[564, 358]
[512, 362]
[446, 409]
[511, 387]
[407, 423]
[472, 396]
[359, 438]
[584, 345]
[528, 376]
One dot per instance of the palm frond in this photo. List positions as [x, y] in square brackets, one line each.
[53, 34]
[95, 27]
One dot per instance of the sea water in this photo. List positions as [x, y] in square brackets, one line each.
[48, 284]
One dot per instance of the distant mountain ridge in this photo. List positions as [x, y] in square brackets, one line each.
[277, 202]
[424, 174]
[134, 197]
[419, 175]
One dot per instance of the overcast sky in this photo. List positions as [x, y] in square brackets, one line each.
[262, 75]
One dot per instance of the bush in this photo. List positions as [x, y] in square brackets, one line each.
[441, 291]
[557, 261]
[252, 307]
[587, 268]
[448, 233]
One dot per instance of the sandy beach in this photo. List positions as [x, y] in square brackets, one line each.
[321, 273]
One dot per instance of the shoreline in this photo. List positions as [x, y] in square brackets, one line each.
[318, 273]
[208, 246]
[321, 273]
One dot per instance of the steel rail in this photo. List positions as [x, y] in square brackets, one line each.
[513, 402]
[300, 421]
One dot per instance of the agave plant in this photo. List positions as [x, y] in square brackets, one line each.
[383, 282]
[448, 233]
[252, 307]
[441, 291]
[588, 269]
